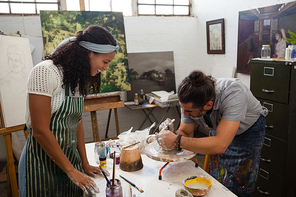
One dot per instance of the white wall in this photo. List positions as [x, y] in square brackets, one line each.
[229, 10]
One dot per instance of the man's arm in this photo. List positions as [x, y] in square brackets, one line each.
[186, 129]
[218, 144]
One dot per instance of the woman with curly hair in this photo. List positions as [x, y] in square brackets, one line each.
[54, 160]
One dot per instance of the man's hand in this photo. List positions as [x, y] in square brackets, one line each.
[166, 139]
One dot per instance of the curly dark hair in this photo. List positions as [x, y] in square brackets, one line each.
[197, 88]
[73, 59]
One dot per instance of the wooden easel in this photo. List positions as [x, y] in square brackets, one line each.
[101, 102]
[12, 187]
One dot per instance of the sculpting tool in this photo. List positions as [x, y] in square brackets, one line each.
[132, 184]
[108, 182]
[130, 145]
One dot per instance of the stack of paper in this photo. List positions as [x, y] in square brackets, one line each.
[164, 95]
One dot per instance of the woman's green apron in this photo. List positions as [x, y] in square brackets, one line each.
[43, 176]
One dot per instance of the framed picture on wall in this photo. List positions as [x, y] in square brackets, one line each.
[215, 37]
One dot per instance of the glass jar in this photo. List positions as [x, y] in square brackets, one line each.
[265, 51]
[114, 190]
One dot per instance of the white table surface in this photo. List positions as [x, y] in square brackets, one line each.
[147, 178]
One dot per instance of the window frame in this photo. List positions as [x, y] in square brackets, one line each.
[170, 15]
[26, 2]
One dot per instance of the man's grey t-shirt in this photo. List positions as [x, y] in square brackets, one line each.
[234, 102]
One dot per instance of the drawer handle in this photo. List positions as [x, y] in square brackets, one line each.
[269, 127]
[267, 91]
[262, 192]
[265, 160]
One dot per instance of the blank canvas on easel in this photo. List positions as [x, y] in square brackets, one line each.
[15, 65]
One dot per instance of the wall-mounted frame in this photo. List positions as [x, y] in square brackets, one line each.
[215, 37]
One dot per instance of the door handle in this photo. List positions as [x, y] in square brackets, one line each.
[269, 127]
[262, 192]
[267, 91]
[265, 160]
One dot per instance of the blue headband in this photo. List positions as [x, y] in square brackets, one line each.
[98, 48]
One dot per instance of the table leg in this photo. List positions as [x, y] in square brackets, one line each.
[94, 123]
[107, 127]
[147, 117]
[160, 177]
[116, 121]
[195, 160]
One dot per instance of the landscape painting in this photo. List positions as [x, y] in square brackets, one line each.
[151, 71]
[58, 25]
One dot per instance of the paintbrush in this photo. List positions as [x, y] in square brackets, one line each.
[108, 182]
[132, 184]
[130, 145]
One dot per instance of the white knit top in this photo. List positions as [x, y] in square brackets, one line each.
[46, 79]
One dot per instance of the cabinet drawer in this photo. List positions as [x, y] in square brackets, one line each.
[268, 184]
[277, 120]
[273, 155]
[270, 81]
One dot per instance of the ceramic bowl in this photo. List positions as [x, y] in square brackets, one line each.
[198, 185]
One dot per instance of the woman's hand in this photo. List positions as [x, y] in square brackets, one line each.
[92, 170]
[166, 140]
[83, 181]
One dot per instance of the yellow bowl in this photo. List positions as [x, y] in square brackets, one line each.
[198, 185]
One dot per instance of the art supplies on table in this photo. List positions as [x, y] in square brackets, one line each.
[132, 184]
[114, 189]
[130, 145]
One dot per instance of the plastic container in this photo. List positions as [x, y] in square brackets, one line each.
[293, 53]
[265, 51]
[288, 52]
[99, 150]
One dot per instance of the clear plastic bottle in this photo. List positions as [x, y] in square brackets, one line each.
[293, 52]
[265, 51]
[288, 52]
[136, 99]
[141, 97]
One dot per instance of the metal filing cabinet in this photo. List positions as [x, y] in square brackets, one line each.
[273, 83]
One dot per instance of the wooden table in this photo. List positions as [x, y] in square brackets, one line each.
[147, 177]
